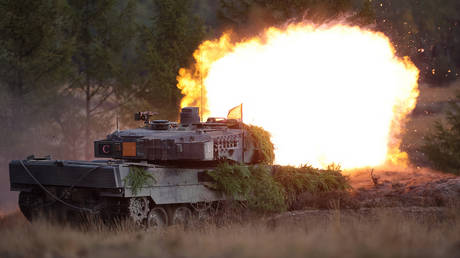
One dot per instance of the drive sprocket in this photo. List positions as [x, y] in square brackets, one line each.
[139, 208]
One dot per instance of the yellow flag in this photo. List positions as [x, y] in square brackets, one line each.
[236, 113]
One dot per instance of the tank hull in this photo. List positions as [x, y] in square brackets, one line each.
[101, 187]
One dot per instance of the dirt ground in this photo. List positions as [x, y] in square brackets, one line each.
[389, 187]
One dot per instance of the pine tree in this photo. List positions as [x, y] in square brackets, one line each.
[103, 30]
[166, 46]
[442, 144]
[248, 16]
[426, 31]
[34, 61]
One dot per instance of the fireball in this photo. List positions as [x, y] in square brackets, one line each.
[327, 94]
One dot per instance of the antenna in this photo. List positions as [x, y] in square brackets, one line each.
[243, 129]
[201, 88]
[118, 129]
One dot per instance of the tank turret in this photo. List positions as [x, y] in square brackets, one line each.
[162, 141]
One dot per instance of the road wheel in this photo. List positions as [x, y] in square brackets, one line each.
[181, 215]
[157, 218]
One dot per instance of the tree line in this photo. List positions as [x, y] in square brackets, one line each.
[68, 68]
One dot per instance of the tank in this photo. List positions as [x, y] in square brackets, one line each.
[154, 175]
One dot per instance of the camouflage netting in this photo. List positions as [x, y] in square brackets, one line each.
[254, 184]
[275, 188]
[299, 180]
[262, 142]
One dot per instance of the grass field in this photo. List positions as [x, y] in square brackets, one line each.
[383, 233]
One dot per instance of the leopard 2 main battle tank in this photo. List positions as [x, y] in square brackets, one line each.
[155, 175]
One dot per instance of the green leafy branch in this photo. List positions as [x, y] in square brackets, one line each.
[137, 178]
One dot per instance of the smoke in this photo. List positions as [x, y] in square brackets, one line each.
[8, 199]
[42, 124]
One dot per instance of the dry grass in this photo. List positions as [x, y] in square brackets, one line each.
[382, 234]
[429, 94]
[410, 176]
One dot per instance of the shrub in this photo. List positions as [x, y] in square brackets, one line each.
[442, 144]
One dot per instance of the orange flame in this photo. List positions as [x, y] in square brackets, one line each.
[326, 93]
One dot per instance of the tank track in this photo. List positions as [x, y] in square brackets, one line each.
[140, 210]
